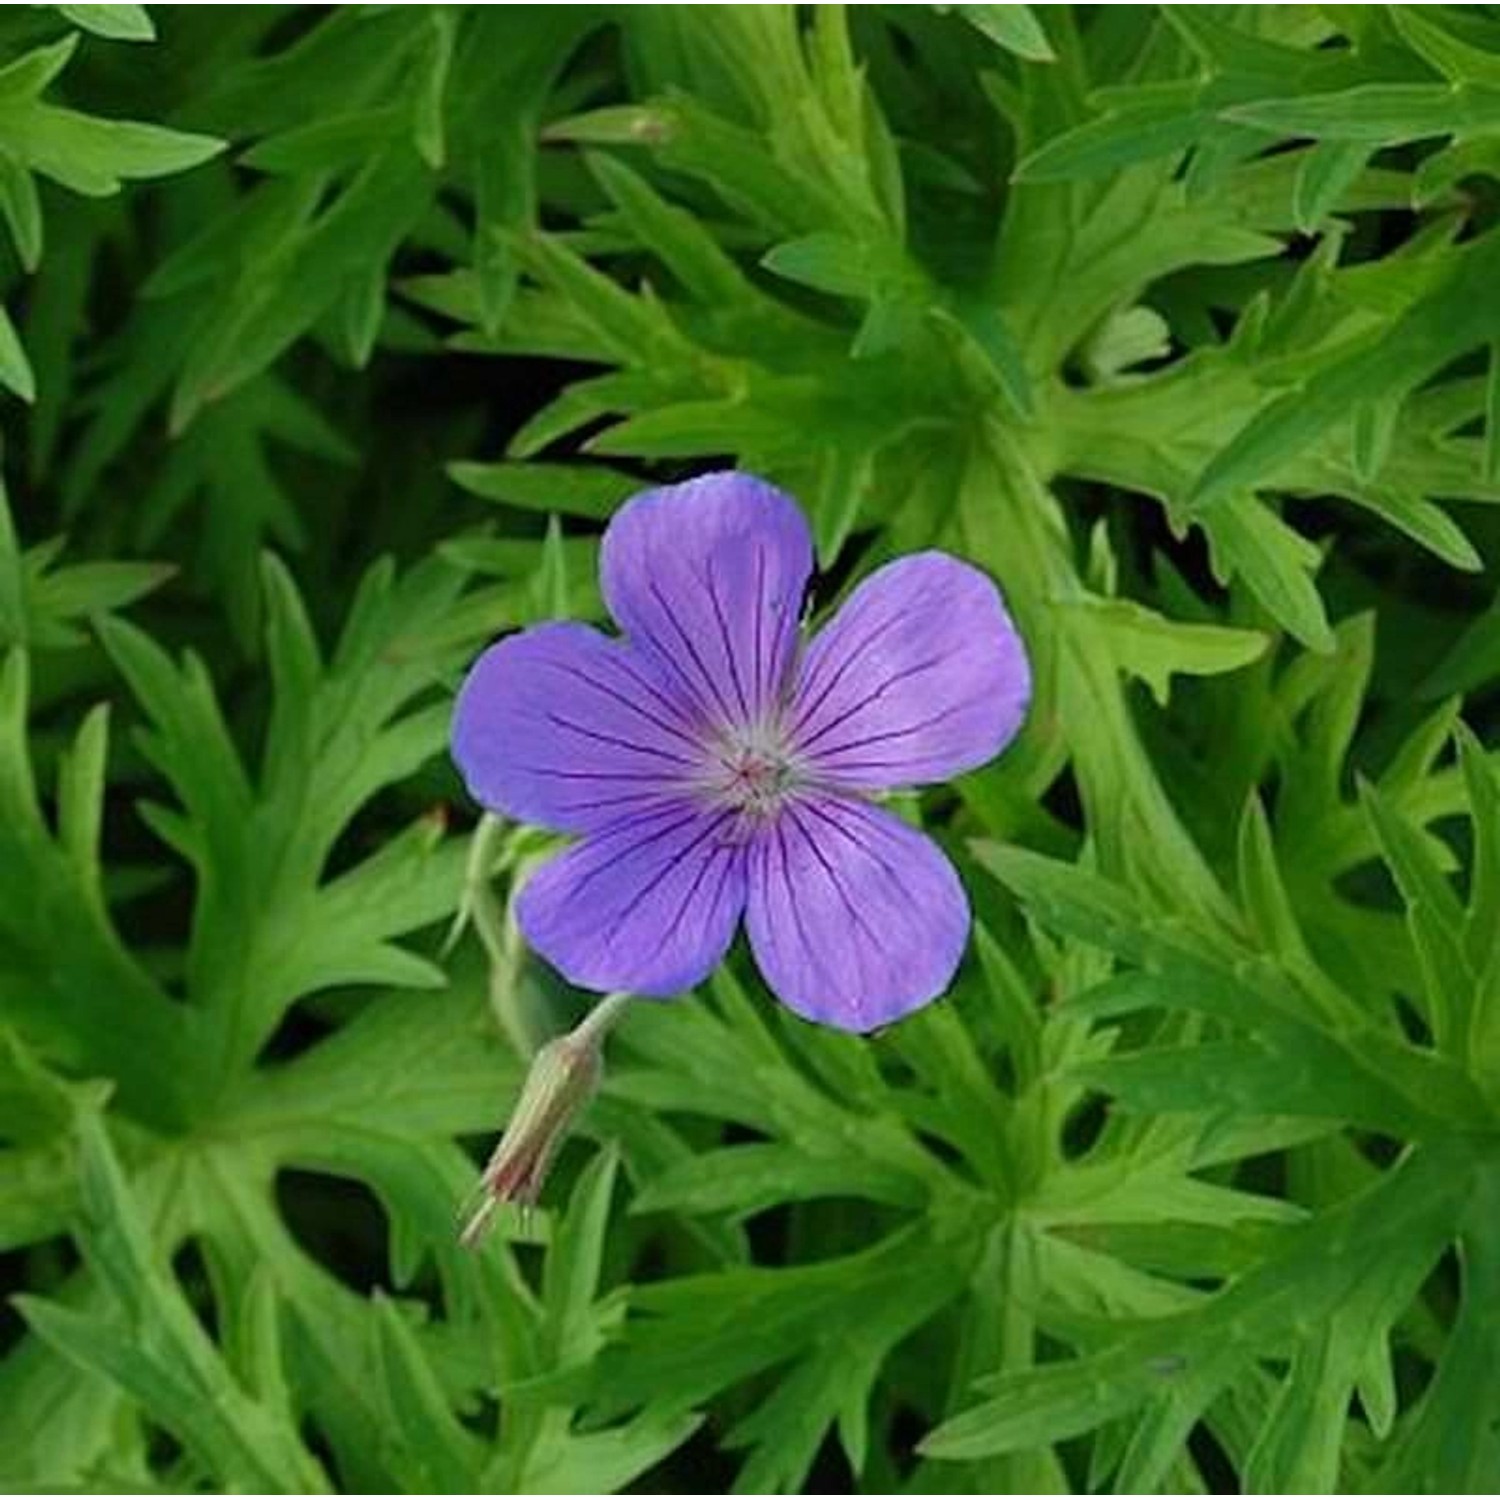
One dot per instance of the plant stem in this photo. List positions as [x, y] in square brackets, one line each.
[600, 1021]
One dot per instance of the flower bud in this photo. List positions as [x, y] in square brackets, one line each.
[564, 1076]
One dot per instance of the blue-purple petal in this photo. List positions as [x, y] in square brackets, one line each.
[855, 918]
[649, 905]
[708, 576]
[563, 727]
[920, 676]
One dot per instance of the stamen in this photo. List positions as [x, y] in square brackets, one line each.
[754, 773]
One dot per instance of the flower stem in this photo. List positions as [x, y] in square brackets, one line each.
[600, 1021]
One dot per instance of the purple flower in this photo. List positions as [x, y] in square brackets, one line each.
[715, 769]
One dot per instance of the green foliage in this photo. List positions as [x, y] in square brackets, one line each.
[328, 342]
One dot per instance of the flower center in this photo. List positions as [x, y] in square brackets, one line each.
[757, 780]
[753, 774]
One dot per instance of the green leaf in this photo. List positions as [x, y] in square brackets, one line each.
[827, 262]
[1482, 920]
[95, 588]
[1452, 1442]
[154, 1347]
[15, 368]
[118, 23]
[1325, 173]
[1454, 316]
[989, 332]
[606, 1461]
[628, 328]
[22, 208]
[1152, 647]
[1460, 61]
[12, 579]
[682, 243]
[504, 203]
[1379, 114]
[744, 1180]
[1471, 660]
[22, 79]
[80, 799]
[38, 1115]
[591, 491]
[96, 157]
[1175, 1366]
[1425, 523]
[570, 1331]
[839, 1316]
[1012, 27]
[1436, 919]
[1263, 893]
[1155, 120]
[281, 292]
[424, 1441]
[428, 126]
[844, 487]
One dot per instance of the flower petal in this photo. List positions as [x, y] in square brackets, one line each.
[855, 918]
[921, 675]
[708, 576]
[648, 905]
[562, 726]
